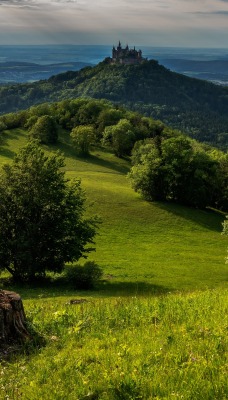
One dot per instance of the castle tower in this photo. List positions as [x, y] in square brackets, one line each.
[126, 56]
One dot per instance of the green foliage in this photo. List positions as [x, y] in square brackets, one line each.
[41, 215]
[2, 126]
[45, 130]
[120, 137]
[30, 122]
[82, 138]
[178, 169]
[109, 116]
[83, 277]
[14, 120]
[197, 107]
[163, 232]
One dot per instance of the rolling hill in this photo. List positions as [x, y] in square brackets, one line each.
[154, 328]
[197, 107]
[140, 245]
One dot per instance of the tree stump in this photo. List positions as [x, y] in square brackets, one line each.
[12, 318]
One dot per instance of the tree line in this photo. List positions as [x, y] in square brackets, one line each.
[166, 164]
[196, 107]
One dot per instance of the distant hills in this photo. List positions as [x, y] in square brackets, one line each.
[197, 107]
[215, 71]
[18, 72]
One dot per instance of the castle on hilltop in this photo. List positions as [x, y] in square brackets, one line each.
[126, 56]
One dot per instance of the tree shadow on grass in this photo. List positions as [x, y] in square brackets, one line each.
[210, 219]
[114, 166]
[68, 151]
[132, 289]
[7, 153]
[5, 137]
[58, 287]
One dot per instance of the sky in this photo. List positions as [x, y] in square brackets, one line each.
[189, 23]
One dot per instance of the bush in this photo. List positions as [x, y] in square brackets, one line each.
[83, 277]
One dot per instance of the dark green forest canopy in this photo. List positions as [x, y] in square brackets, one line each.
[196, 107]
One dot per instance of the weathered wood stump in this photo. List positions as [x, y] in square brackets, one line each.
[12, 318]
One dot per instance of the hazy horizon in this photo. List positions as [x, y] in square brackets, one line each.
[157, 23]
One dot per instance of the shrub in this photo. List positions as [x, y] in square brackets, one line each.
[84, 277]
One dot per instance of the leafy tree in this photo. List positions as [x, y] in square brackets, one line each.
[82, 137]
[108, 116]
[146, 173]
[45, 130]
[177, 169]
[14, 120]
[42, 224]
[88, 113]
[120, 137]
[31, 121]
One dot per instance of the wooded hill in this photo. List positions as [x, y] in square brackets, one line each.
[197, 107]
[167, 165]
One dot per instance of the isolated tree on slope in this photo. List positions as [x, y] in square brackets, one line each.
[41, 215]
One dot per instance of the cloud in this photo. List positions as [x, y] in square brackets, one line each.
[107, 21]
[38, 4]
[219, 12]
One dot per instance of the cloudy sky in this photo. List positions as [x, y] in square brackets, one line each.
[196, 23]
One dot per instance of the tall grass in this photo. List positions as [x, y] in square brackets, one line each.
[166, 347]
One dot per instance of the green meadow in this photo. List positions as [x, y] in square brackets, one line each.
[155, 327]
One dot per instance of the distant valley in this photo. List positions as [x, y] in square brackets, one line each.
[215, 71]
[19, 72]
[20, 64]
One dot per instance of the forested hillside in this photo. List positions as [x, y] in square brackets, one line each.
[197, 107]
[168, 165]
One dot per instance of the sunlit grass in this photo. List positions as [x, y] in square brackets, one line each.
[160, 244]
[146, 332]
[165, 347]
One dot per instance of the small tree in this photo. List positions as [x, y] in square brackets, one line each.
[42, 222]
[45, 130]
[82, 137]
[120, 137]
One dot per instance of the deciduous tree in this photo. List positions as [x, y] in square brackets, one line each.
[42, 223]
[82, 137]
[45, 130]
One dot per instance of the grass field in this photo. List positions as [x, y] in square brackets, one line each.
[156, 328]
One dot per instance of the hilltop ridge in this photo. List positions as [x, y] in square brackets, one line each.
[194, 106]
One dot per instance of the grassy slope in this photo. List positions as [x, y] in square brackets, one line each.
[169, 346]
[165, 245]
